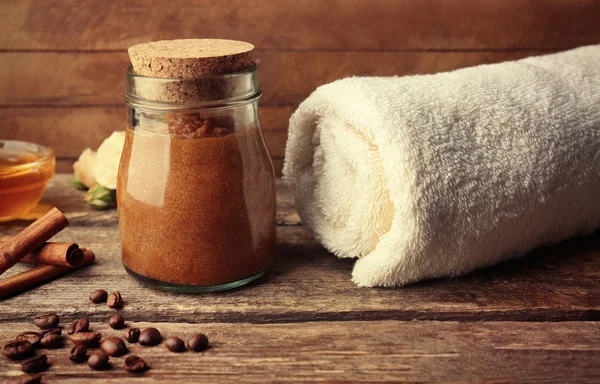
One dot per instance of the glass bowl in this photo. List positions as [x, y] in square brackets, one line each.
[25, 169]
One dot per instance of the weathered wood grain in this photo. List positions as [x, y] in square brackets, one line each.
[304, 24]
[70, 130]
[88, 87]
[61, 79]
[65, 165]
[286, 77]
[309, 284]
[379, 351]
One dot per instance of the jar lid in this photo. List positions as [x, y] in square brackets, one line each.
[189, 58]
[205, 72]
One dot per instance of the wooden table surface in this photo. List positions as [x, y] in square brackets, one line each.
[531, 320]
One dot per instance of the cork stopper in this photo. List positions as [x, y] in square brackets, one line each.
[190, 58]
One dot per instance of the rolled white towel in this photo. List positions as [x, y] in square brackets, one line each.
[437, 175]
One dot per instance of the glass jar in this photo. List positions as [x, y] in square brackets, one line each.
[196, 185]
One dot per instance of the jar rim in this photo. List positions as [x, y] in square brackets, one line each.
[211, 91]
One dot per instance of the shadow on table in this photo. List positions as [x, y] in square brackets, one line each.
[307, 255]
[544, 262]
[566, 260]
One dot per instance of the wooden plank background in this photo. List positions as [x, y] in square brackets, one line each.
[63, 62]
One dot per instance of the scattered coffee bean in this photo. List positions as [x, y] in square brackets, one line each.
[55, 331]
[198, 342]
[79, 325]
[17, 349]
[33, 338]
[46, 321]
[98, 361]
[89, 339]
[115, 300]
[116, 321]
[35, 364]
[149, 337]
[113, 346]
[51, 341]
[135, 364]
[175, 344]
[33, 378]
[98, 296]
[132, 335]
[78, 353]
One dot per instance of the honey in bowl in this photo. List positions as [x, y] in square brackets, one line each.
[24, 172]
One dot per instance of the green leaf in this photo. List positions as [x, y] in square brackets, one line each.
[100, 197]
[100, 205]
[75, 182]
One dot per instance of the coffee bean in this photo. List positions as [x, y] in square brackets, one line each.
[33, 337]
[135, 364]
[175, 344]
[51, 341]
[17, 349]
[89, 339]
[35, 364]
[46, 321]
[98, 296]
[33, 378]
[113, 346]
[149, 337]
[115, 300]
[116, 321]
[132, 335]
[98, 361]
[78, 353]
[55, 331]
[198, 342]
[79, 325]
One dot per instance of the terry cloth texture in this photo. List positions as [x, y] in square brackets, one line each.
[429, 176]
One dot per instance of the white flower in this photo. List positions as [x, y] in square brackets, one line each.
[107, 160]
[84, 168]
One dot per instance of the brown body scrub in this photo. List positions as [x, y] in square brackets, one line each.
[196, 189]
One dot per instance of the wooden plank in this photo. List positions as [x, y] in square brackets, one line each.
[70, 130]
[304, 24]
[309, 284]
[65, 165]
[382, 351]
[98, 78]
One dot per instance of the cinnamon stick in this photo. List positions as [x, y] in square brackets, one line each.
[53, 253]
[31, 238]
[24, 281]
